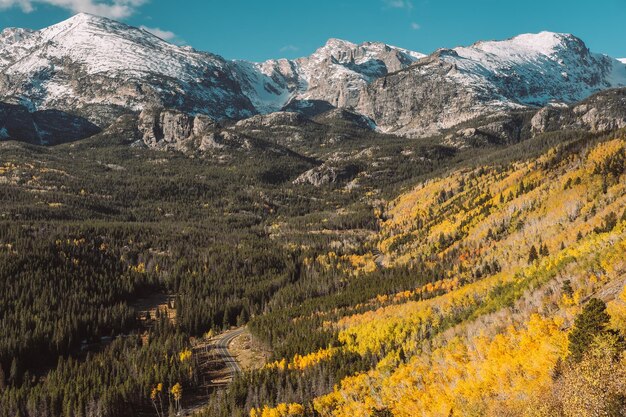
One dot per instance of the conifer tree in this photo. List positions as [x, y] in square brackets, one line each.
[589, 323]
[532, 255]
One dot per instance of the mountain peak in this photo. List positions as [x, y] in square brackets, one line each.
[83, 23]
[550, 40]
[335, 48]
[526, 70]
[80, 19]
[336, 42]
[542, 43]
[83, 16]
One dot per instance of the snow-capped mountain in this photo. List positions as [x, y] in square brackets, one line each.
[555, 68]
[454, 85]
[335, 74]
[99, 69]
[95, 65]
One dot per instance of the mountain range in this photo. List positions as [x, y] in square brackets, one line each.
[92, 70]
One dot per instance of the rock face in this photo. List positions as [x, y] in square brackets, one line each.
[338, 72]
[91, 65]
[273, 120]
[172, 129]
[327, 174]
[420, 100]
[456, 85]
[100, 69]
[602, 112]
[46, 127]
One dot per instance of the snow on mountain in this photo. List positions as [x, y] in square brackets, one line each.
[99, 69]
[335, 73]
[622, 60]
[88, 60]
[13, 44]
[536, 69]
[87, 63]
[338, 71]
[452, 86]
[269, 85]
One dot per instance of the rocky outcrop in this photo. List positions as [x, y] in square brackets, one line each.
[276, 119]
[327, 173]
[547, 119]
[602, 112]
[172, 129]
[168, 129]
[420, 100]
[343, 117]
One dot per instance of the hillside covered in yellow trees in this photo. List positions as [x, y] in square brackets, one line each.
[522, 258]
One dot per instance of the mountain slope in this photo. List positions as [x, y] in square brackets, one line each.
[455, 85]
[43, 127]
[92, 65]
[334, 74]
[503, 258]
[100, 69]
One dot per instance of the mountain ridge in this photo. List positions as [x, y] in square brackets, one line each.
[100, 69]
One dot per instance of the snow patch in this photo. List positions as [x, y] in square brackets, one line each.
[534, 69]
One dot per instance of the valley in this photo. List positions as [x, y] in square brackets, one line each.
[367, 231]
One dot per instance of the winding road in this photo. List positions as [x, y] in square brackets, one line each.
[221, 348]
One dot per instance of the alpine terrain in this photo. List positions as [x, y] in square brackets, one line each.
[367, 231]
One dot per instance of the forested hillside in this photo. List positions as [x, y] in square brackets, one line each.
[517, 309]
[437, 281]
[89, 230]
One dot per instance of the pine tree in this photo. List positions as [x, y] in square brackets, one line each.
[533, 255]
[589, 323]
[567, 288]
[521, 189]
[14, 372]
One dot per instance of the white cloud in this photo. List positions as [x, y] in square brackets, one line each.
[25, 5]
[289, 48]
[415, 26]
[399, 4]
[163, 34]
[115, 9]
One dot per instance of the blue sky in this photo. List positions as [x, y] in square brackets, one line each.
[262, 29]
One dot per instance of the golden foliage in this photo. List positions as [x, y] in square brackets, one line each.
[505, 364]
[185, 355]
[459, 378]
[300, 362]
[281, 410]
